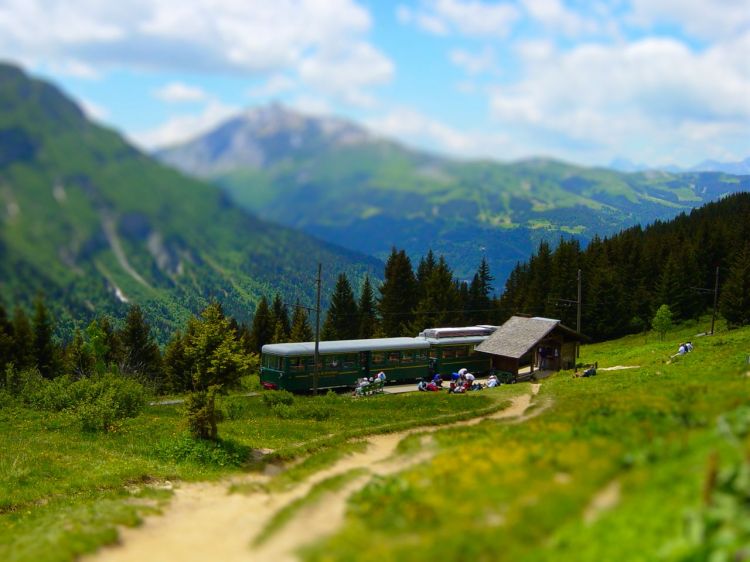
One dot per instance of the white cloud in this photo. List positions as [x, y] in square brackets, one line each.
[245, 37]
[184, 126]
[656, 96]
[176, 92]
[419, 129]
[474, 63]
[338, 72]
[275, 85]
[469, 17]
[94, 110]
[702, 18]
[554, 15]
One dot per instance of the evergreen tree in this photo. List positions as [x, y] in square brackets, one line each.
[217, 363]
[114, 354]
[97, 347]
[479, 293]
[6, 339]
[301, 330]
[23, 340]
[177, 369]
[263, 326]
[425, 268]
[735, 293]
[141, 356]
[342, 319]
[397, 295]
[439, 306]
[366, 308]
[46, 352]
[80, 361]
[280, 315]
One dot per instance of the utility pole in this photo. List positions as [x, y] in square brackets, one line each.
[578, 314]
[316, 357]
[716, 299]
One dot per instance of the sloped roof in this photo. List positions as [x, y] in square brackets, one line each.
[519, 334]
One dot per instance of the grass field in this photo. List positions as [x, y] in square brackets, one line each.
[646, 463]
[62, 492]
[632, 464]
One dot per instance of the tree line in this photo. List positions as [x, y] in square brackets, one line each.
[627, 277]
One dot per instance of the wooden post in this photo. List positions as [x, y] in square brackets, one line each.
[716, 299]
[316, 357]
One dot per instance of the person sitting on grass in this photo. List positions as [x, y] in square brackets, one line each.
[421, 385]
[438, 380]
[492, 382]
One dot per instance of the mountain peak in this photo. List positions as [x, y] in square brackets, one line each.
[262, 136]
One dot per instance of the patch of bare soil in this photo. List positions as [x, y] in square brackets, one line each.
[205, 522]
[604, 500]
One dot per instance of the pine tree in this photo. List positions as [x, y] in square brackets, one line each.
[114, 354]
[479, 293]
[425, 268]
[735, 293]
[6, 339]
[263, 326]
[301, 331]
[217, 364]
[439, 306]
[366, 308]
[141, 356]
[23, 340]
[662, 321]
[280, 315]
[80, 361]
[97, 347]
[46, 352]
[397, 295]
[342, 319]
[177, 369]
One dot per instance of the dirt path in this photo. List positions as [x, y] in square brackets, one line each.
[205, 522]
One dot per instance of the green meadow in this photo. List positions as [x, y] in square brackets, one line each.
[63, 490]
[648, 463]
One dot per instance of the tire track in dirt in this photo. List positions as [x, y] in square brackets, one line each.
[205, 522]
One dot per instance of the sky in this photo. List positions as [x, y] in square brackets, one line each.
[655, 82]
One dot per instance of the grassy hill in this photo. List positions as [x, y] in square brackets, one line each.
[332, 178]
[94, 223]
[644, 463]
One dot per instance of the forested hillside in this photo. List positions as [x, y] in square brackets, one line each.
[628, 276]
[95, 225]
[338, 181]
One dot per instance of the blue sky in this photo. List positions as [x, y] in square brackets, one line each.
[653, 81]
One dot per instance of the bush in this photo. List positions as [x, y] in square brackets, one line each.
[284, 411]
[236, 407]
[106, 401]
[199, 451]
[315, 410]
[274, 397]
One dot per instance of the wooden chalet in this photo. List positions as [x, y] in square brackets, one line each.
[541, 343]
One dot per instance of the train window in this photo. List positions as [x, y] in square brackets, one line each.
[407, 357]
[378, 358]
[462, 351]
[296, 364]
[349, 361]
[434, 353]
[272, 362]
[394, 357]
[449, 352]
[420, 355]
[332, 362]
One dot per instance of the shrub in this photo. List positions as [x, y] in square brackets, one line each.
[236, 408]
[284, 411]
[315, 410]
[199, 451]
[106, 400]
[273, 397]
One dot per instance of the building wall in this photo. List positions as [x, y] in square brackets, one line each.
[568, 355]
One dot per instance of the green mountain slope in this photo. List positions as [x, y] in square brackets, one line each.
[93, 223]
[337, 181]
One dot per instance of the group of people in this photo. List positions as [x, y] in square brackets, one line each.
[684, 348]
[462, 381]
[364, 383]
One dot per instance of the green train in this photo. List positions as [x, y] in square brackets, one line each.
[291, 366]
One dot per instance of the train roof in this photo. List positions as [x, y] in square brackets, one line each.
[456, 340]
[344, 346]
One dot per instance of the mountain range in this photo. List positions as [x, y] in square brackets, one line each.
[95, 224]
[338, 181]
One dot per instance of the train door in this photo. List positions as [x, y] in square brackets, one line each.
[364, 364]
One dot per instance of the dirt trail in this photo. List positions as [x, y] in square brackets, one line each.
[205, 522]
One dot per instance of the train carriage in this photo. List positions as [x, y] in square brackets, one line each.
[452, 349]
[291, 366]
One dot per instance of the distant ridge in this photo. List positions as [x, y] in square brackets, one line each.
[96, 225]
[334, 179]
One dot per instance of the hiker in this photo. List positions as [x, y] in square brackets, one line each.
[689, 347]
[438, 380]
[492, 382]
[421, 385]
[381, 377]
[682, 350]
